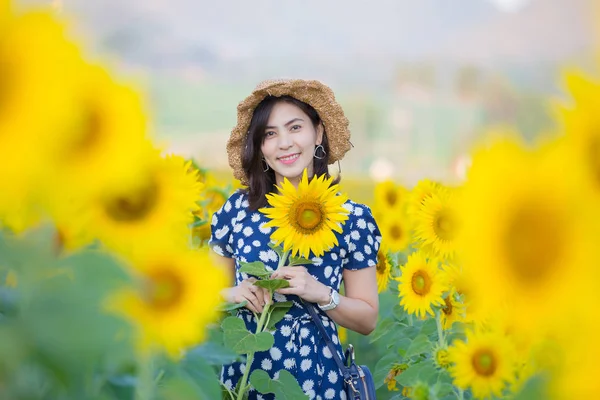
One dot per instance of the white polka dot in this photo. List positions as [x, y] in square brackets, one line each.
[264, 229]
[334, 339]
[229, 249]
[289, 346]
[329, 393]
[361, 223]
[228, 384]
[266, 364]
[256, 243]
[355, 235]
[342, 253]
[328, 271]
[351, 247]
[371, 262]
[247, 249]
[311, 394]
[219, 233]
[215, 220]
[370, 239]
[308, 384]
[334, 256]
[237, 228]
[306, 364]
[358, 211]
[332, 376]
[238, 202]
[304, 332]
[255, 217]
[245, 203]
[358, 256]
[289, 363]
[286, 330]
[367, 249]
[217, 249]
[266, 256]
[327, 352]
[348, 207]
[227, 206]
[248, 231]
[275, 353]
[230, 370]
[343, 395]
[304, 351]
[242, 368]
[371, 227]
[240, 215]
[317, 261]
[240, 243]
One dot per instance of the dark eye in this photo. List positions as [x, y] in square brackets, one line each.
[296, 127]
[269, 133]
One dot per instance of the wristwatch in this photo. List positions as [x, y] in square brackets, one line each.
[334, 300]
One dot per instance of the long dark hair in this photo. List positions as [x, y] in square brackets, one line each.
[259, 182]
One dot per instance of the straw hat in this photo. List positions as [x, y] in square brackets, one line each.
[312, 92]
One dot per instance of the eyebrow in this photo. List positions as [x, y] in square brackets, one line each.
[286, 124]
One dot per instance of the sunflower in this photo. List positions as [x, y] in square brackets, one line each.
[306, 217]
[39, 72]
[383, 268]
[105, 140]
[421, 285]
[173, 299]
[158, 207]
[437, 224]
[452, 310]
[582, 127]
[484, 363]
[396, 232]
[526, 236]
[390, 196]
[419, 193]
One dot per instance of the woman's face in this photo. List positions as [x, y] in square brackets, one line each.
[290, 141]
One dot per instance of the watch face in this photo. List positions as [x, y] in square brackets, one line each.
[335, 297]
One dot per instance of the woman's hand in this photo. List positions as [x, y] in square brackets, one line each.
[302, 284]
[256, 296]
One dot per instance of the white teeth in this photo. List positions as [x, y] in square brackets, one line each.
[289, 157]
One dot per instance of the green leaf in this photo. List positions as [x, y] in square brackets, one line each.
[383, 328]
[278, 311]
[212, 353]
[299, 260]
[429, 327]
[419, 345]
[272, 284]
[411, 375]
[382, 368]
[255, 268]
[443, 389]
[203, 375]
[241, 341]
[231, 306]
[285, 387]
[277, 248]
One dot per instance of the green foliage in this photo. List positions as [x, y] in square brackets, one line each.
[285, 387]
[241, 341]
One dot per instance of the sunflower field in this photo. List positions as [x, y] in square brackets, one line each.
[108, 291]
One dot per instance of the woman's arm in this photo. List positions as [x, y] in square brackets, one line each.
[359, 307]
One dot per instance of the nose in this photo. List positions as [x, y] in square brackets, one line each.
[285, 141]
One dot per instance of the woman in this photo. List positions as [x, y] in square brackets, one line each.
[284, 127]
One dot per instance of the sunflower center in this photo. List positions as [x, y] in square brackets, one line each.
[308, 216]
[395, 232]
[447, 306]
[163, 289]
[594, 157]
[391, 196]
[484, 362]
[381, 267]
[421, 283]
[534, 243]
[444, 225]
[133, 206]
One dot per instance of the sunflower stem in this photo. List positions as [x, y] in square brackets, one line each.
[283, 259]
[460, 394]
[440, 331]
[243, 383]
[145, 384]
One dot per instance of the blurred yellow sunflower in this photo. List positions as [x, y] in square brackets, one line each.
[437, 224]
[484, 363]
[383, 268]
[39, 69]
[452, 310]
[158, 207]
[421, 285]
[526, 236]
[422, 190]
[582, 127]
[396, 232]
[306, 218]
[175, 297]
[390, 196]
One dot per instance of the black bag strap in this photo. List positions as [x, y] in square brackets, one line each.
[317, 320]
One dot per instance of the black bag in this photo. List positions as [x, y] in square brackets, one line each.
[358, 380]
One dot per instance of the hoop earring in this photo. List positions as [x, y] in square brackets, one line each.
[265, 161]
[322, 149]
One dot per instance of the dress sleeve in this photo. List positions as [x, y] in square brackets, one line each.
[221, 228]
[362, 238]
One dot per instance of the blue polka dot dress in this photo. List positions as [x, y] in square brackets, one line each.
[239, 233]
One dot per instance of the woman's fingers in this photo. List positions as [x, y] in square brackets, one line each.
[254, 303]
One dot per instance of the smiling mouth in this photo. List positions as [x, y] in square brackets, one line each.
[289, 159]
